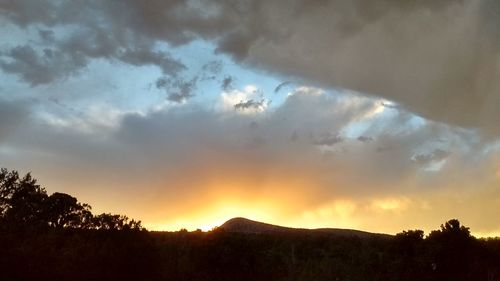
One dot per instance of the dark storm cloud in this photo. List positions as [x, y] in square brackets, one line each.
[43, 65]
[436, 58]
[86, 30]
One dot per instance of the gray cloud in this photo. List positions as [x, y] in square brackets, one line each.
[328, 139]
[435, 156]
[86, 31]
[168, 65]
[365, 139]
[436, 58]
[178, 90]
[251, 104]
[282, 85]
[46, 35]
[212, 69]
[183, 154]
[227, 83]
[13, 116]
[36, 68]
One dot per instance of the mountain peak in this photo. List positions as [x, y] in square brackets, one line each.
[245, 225]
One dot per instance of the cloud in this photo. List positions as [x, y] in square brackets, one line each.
[438, 59]
[46, 35]
[328, 139]
[194, 158]
[249, 100]
[365, 139]
[227, 83]
[282, 85]
[13, 115]
[251, 104]
[163, 60]
[212, 69]
[178, 90]
[40, 68]
[73, 33]
[435, 156]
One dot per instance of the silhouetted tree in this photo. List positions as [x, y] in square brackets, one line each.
[408, 241]
[451, 229]
[21, 199]
[452, 249]
[115, 222]
[63, 210]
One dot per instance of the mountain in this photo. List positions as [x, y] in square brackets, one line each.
[243, 225]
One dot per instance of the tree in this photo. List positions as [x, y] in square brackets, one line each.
[408, 241]
[451, 230]
[63, 210]
[452, 249]
[115, 222]
[411, 235]
[21, 199]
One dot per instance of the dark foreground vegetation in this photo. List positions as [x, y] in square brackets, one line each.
[54, 237]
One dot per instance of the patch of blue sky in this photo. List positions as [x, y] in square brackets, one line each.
[199, 53]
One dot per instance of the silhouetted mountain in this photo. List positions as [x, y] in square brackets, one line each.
[243, 225]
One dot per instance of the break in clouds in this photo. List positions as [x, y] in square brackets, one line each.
[437, 59]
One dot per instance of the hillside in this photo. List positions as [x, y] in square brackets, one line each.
[243, 225]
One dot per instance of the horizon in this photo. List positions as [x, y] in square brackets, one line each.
[426, 233]
[378, 116]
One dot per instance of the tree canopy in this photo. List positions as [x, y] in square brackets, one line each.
[24, 202]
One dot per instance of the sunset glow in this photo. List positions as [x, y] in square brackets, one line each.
[317, 116]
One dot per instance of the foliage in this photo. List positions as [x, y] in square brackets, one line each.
[24, 203]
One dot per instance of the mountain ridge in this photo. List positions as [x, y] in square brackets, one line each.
[244, 225]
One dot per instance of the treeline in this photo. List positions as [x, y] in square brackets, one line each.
[25, 203]
[54, 237]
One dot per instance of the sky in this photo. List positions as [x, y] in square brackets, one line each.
[375, 115]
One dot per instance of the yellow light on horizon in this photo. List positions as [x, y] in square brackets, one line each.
[208, 218]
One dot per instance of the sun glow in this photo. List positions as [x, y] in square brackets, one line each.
[338, 213]
[390, 204]
[215, 215]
